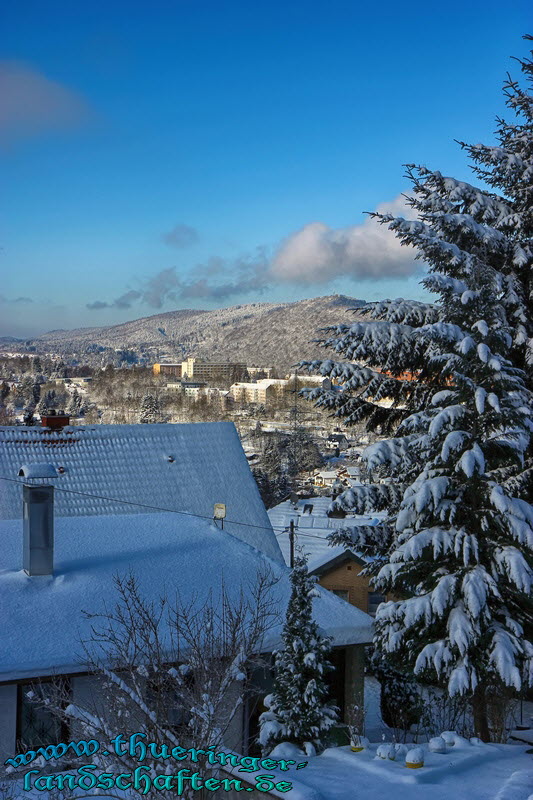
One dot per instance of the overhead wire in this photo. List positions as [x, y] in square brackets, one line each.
[165, 510]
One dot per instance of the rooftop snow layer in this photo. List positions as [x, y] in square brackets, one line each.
[186, 467]
[312, 529]
[42, 620]
[329, 555]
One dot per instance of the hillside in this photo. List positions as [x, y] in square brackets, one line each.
[276, 334]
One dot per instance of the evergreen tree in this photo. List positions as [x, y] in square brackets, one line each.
[24, 392]
[272, 490]
[303, 452]
[401, 703]
[48, 402]
[274, 455]
[4, 391]
[265, 486]
[150, 410]
[75, 404]
[299, 711]
[457, 547]
[35, 392]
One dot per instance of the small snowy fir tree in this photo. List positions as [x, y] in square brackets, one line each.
[75, 404]
[47, 403]
[457, 547]
[299, 711]
[150, 409]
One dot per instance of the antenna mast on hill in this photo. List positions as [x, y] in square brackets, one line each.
[294, 414]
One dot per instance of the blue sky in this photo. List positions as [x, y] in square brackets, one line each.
[201, 154]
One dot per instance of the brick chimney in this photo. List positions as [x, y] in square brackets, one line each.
[38, 529]
[55, 420]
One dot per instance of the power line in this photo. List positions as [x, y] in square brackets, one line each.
[169, 510]
[306, 535]
[142, 505]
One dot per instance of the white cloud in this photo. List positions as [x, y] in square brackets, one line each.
[318, 254]
[314, 255]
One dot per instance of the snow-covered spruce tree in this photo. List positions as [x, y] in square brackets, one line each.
[299, 711]
[457, 547]
[75, 404]
[48, 402]
[150, 410]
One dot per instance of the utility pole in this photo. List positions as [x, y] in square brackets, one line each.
[291, 542]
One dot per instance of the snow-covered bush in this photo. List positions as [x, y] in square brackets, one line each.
[437, 745]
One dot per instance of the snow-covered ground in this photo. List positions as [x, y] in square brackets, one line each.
[499, 772]
[467, 771]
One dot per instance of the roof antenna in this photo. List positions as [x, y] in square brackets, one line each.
[219, 512]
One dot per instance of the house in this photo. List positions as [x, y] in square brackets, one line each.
[132, 469]
[137, 498]
[193, 388]
[43, 623]
[351, 474]
[337, 441]
[326, 478]
[268, 389]
[338, 568]
[261, 391]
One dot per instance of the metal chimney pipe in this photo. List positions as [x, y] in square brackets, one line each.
[38, 529]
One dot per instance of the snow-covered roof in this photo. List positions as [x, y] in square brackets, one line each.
[331, 557]
[353, 472]
[186, 467]
[42, 620]
[312, 529]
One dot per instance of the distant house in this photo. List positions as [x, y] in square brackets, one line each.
[351, 474]
[259, 372]
[327, 478]
[337, 441]
[193, 388]
[338, 568]
[262, 391]
[81, 381]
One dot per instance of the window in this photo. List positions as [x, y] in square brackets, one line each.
[37, 726]
[374, 599]
[342, 593]
[165, 700]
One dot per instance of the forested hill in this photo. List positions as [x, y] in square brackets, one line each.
[267, 334]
